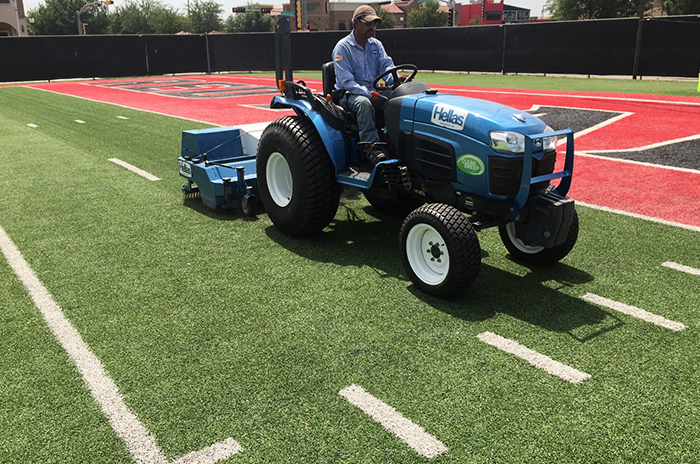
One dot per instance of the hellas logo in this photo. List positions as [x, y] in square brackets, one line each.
[448, 116]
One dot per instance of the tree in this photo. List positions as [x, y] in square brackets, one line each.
[250, 21]
[682, 7]
[593, 9]
[132, 17]
[205, 16]
[58, 17]
[166, 20]
[427, 15]
[388, 20]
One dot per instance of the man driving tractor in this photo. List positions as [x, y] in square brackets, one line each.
[358, 58]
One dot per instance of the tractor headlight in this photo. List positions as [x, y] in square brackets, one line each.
[549, 143]
[507, 142]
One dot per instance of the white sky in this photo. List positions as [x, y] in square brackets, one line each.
[535, 6]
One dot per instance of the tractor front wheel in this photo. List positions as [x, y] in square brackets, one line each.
[535, 254]
[440, 250]
[296, 177]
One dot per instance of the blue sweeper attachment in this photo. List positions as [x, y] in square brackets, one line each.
[219, 165]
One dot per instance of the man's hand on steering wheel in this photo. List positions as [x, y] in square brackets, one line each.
[395, 74]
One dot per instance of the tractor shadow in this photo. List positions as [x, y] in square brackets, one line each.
[537, 295]
[233, 214]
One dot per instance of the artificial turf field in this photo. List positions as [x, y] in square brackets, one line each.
[215, 326]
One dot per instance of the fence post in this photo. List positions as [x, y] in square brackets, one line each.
[503, 59]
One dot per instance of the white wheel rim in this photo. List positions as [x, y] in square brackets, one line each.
[519, 244]
[279, 179]
[427, 254]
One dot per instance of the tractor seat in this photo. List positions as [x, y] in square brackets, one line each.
[328, 78]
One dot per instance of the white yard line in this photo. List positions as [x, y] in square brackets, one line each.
[533, 357]
[681, 267]
[80, 121]
[634, 312]
[405, 429]
[585, 97]
[33, 126]
[639, 216]
[140, 443]
[134, 169]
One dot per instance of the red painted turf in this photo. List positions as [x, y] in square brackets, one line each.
[667, 194]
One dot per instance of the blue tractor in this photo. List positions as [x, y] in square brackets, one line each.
[458, 165]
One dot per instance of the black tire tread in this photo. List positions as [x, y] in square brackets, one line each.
[462, 243]
[321, 190]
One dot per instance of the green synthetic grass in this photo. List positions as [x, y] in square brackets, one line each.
[214, 325]
[684, 88]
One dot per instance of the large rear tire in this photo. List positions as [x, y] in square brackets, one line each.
[440, 250]
[296, 177]
[535, 254]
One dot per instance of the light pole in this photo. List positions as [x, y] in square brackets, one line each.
[86, 7]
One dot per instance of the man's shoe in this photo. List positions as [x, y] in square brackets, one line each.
[374, 154]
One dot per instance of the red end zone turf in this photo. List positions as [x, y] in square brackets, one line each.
[665, 193]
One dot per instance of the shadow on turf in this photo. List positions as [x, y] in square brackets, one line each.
[221, 214]
[535, 298]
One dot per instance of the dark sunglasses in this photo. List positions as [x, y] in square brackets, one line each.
[370, 23]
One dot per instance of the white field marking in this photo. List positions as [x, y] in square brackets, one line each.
[134, 169]
[533, 357]
[607, 122]
[640, 216]
[121, 106]
[591, 97]
[122, 117]
[681, 267]
[638, 163]
[634, 312]
[140, 443]
[32, 125]
[405, 429]
[79, 121]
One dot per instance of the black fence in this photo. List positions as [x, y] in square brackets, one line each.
[670, 46]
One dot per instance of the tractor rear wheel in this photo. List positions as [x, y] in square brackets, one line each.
[535, 254]
[440, 250]
[296, 177]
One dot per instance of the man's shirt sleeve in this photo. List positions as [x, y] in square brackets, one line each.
[344, 77]
[385, 62]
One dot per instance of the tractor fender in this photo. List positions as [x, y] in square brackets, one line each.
[332, 138]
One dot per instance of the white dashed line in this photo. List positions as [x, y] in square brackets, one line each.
[634, 312]
[134, 169]
[408, 431]
[533, 357]
[141, 444]
[682, 268]
[34, 126]
[122, 117]
[639, 216]
[79, 121]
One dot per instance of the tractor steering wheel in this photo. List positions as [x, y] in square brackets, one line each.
[395, 74]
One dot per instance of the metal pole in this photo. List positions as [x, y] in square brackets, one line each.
[638, 46]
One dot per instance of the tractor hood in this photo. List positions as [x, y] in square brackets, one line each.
[473, 117]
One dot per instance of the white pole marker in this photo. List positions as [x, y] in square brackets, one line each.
[405, 429]
[533, 357]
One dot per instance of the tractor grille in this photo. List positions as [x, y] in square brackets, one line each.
[434, 159]
[505, 173]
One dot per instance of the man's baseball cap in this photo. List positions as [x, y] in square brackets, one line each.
[367, 13]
